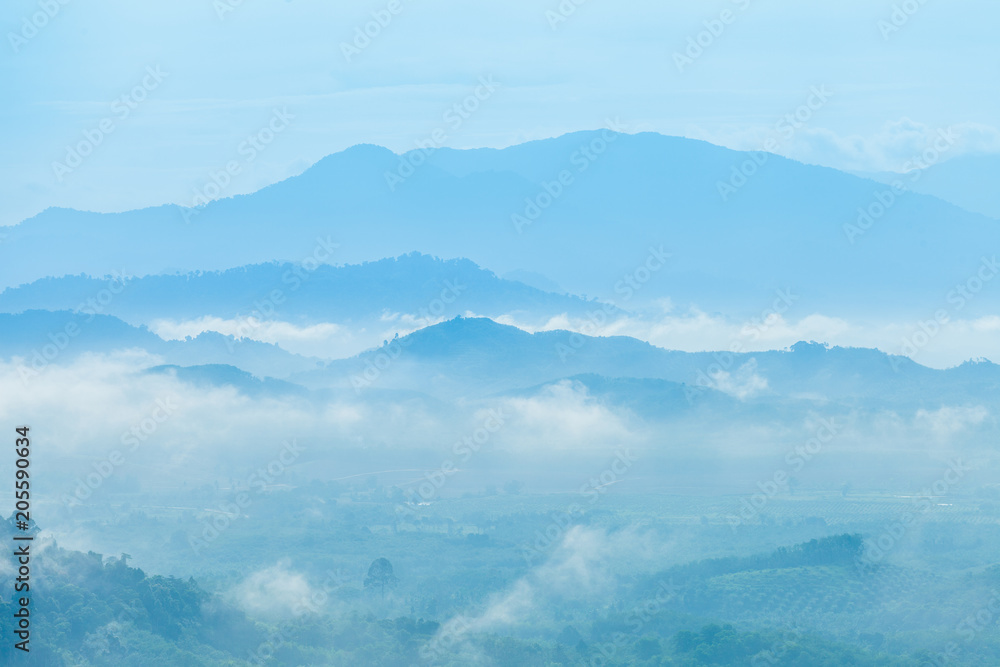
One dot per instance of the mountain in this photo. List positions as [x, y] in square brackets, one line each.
[42, 338]
[589, 211]
[476, 358]
[418, 285]
[215, 375]
[479, 357]
[100, 611]
[968, 181]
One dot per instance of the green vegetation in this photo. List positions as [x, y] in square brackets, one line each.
[338, 577]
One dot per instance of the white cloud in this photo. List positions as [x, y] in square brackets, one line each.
[890, 148]
[696, 331]
[743, 383]
[949, 420]
[584, 566]
[324, 340]
[101, 403]
[274, 592]
[562, 416]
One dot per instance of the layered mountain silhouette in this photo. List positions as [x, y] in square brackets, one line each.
[477, 356]
[583, 210]
[40, 339]
[424, 287]
[969, 181]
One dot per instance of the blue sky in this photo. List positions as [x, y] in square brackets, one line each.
[225, 68]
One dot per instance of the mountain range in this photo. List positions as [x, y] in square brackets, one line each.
[419, 285]
[585, 211]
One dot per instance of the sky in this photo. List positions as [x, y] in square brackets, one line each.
[162, 94]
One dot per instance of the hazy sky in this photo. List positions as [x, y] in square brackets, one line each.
[221, 71]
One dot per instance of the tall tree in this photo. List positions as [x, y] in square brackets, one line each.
[380, 574]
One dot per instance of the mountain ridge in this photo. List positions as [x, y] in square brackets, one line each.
[783, 228]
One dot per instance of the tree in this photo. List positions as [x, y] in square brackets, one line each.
[380, 575]
[513, 487]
